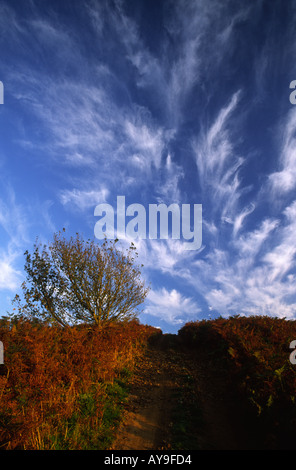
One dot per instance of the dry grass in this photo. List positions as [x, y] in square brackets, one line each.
[63, 388]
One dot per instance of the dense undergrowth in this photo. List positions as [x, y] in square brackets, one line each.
[64, 388]
[252, 353]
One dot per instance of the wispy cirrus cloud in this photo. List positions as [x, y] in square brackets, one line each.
[250, 243]
[218, 165]
[254, 272]
[83, 199]
[107, 105]
[10, 274]
[145, 142]
[14, 234]
[281, 258]
[80, 120]
[14, 218]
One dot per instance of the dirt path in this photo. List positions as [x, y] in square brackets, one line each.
[146, 423]
[177, 403]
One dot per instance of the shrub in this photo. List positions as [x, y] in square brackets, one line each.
[62, 383]
[74, 281]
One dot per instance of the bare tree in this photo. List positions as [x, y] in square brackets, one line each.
[73, 281]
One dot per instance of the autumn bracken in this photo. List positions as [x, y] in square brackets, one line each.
[252, 353]
[64, 387]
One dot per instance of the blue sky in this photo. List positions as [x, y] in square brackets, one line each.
[183, 101]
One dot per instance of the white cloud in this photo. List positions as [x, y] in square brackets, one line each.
[168, 188]
[263, 297]
[217, 163]
[254, 273]
[239, 219]
[166, 256]
[213, 147]
[90, 120]
[148, 141]
[10, 276]
[284, 180]
[14, 218]
[250, 243]
[203, 31]
[170, 306]
[83, 199]
[281, 258]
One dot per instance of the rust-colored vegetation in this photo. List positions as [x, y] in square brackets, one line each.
[253, 355]
[64, 387]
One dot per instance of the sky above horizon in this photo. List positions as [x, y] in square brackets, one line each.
[184, 102]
